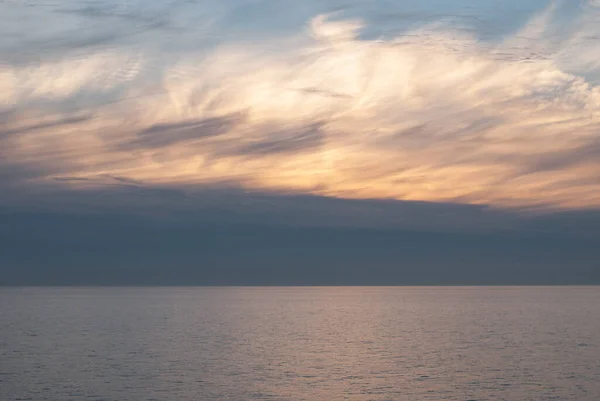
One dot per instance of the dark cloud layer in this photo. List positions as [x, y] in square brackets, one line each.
[122, 250]
[232, 238]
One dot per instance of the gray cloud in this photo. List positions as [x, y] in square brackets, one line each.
[162, 135]
[292, 140]
[227, 202]
[560, 160]
[5, 133]
[234, 238]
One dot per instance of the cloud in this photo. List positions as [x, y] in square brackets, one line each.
[42, 126]
[58, 80]
[286, 140]
[163, 135]
[434, 114]
[261, 247]
[324, 29]
[585, 154]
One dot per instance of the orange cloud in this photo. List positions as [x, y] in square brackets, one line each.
[434, 114]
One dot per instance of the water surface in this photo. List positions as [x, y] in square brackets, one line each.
[303, 343]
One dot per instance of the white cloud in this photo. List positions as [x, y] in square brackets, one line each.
[57, 80]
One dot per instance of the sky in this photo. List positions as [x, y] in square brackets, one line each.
[313, 142]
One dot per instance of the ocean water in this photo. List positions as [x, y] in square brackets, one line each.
[303, 343]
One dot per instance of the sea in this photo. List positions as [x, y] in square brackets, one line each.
[299, 343]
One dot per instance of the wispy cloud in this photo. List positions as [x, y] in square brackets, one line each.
[435, 113]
